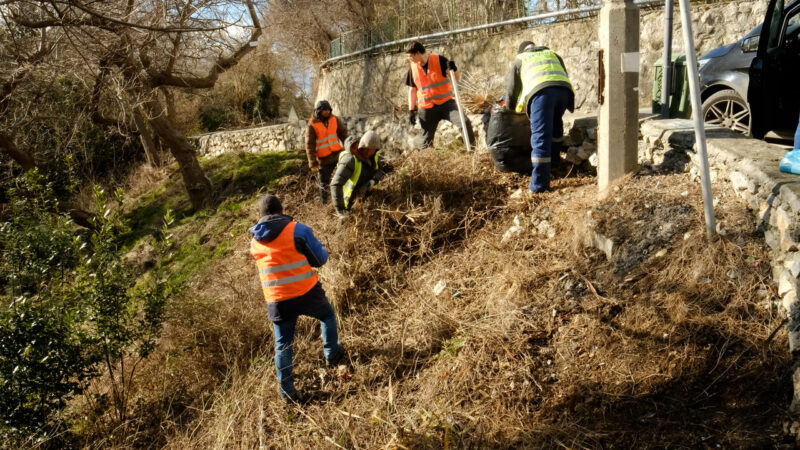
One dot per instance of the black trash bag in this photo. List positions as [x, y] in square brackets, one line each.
[508, 137]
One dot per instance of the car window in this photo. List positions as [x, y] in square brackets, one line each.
[793, 22]
[775, 26]
[792, 29]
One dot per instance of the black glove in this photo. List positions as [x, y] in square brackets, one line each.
[452, 66]
[412, 117]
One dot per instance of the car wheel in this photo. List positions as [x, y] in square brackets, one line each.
[726, 108]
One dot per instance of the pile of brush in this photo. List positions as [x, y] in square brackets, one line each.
[479, 92]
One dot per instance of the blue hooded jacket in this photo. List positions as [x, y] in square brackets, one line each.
[266, 230]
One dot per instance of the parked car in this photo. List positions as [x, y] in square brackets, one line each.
[724, 80]
[774, 90]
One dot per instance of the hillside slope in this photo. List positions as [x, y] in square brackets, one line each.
[461, 337]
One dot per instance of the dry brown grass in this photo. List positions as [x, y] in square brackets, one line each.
[479, 92]
[535, 342]
[143, 178]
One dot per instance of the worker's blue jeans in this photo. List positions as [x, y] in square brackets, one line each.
[797, 136]
[284, 337]
[546, 109]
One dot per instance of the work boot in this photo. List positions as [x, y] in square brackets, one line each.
[337, 359]
[294, 399]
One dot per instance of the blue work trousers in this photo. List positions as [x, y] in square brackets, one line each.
[546, 110]
[284, 337]
[797, 136]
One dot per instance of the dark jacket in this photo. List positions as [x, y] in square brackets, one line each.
[266, 230]
[311, 141]
[514, 84]
[345, 169]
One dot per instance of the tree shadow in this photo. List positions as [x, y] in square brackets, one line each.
[236, 178]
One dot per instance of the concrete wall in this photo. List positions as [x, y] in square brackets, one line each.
[376, 84]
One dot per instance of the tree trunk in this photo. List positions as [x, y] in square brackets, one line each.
[197, 184]
[22, 158]
[169, 101]
[150, 150]
[81, 217]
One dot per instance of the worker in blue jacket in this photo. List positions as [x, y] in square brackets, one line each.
[286, 252]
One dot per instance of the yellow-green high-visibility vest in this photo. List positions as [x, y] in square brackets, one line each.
[539, 67]
[347, 189]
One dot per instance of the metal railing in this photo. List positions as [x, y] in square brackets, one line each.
[568, 14]
[415, 17]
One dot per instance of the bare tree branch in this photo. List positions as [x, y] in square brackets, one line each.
[221, 65]
[22, 158]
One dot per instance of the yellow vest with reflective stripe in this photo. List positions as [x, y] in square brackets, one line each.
[541, 66]
[349, 187]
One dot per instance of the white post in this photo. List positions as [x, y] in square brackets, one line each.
[697, 115]
[618, 124]
[666, 66]
[464, 132]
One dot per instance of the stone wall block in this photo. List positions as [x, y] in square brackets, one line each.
[794, 327]
[787, 284]
[742, 182]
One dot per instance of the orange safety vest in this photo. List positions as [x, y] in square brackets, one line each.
[432, 88]
[285, 273]
[327, 139]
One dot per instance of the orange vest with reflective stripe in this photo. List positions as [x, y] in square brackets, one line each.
[285, 273]
[432, 88]
[327, 139]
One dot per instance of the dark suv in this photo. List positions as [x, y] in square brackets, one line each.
[724, 80]
[774, 91]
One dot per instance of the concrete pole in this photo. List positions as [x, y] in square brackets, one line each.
[618, 121]
[697, 115]
[666, 67]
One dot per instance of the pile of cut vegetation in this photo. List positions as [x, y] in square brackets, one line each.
[460, 338]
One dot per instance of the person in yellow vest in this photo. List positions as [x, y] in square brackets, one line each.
[539, 86]
[285, 252]
[324, 136]
[357, 172]
[430, 95]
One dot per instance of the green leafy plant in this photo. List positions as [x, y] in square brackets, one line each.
[127, 317]
[70, 309]
[265, 104]
[213, 118]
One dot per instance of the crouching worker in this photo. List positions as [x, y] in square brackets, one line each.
[324, 136]
[358, 171]
[285, 252]
[538, 85]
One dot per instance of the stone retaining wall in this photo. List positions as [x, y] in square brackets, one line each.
[396, 135]
[751, 168]
[375, 84]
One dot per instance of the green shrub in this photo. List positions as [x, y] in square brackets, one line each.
[265, 104]
[70, 310]
[212, 118]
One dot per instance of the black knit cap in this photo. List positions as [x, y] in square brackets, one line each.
[323, 105]
[270, 205]
[524, 45]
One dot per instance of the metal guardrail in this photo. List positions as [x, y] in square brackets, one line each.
[588, 10]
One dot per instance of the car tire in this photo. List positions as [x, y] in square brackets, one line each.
[728, 109]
